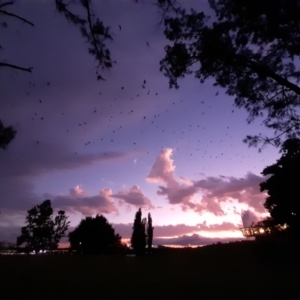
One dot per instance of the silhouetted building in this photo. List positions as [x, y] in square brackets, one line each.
[258, 231]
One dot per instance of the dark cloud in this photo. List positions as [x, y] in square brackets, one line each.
[16, 193]
[193, 240]
[9, 234]
[10, 221]
[125, 230]
[35, 159]
[20, 166]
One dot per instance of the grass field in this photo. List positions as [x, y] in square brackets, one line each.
[228, 271]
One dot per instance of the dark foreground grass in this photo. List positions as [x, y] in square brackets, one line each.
[228, 271]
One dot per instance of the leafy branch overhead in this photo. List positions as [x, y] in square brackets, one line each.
[250, 48]
[91, 28]
[5, 12]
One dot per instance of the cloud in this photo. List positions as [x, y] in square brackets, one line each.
[10, 234]
[87, 205]
[135, 197]
[163, 172]
[76, 191]
[244, 190]
[208, 194]
[160, 231]
[193, 240]
[181, 229]
[16, 193]
[163, 169]
[36, 159]
[178, 193]
[23, 161]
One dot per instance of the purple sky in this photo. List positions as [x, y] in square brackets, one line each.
[92, 147]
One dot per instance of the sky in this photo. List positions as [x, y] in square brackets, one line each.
[112, 146]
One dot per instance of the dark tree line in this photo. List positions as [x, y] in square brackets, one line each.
[93, 235]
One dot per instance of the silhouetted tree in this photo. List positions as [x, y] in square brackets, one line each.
[43, 231]
[138, 238]
[95, 236]
[7, 134]
[250, 48]
[150, 229]
[283, 189]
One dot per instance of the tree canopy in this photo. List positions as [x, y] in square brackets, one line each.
[250, 48]
[282, 187]
[138, 237]
[95, 236]
[43, 231]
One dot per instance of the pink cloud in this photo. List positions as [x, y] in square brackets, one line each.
[163, 169]
[177, 193]
[76, 191]
[77, 201]
[244, 190]
[135, 197]
[211, 192]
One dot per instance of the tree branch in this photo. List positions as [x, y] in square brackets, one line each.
[6, 3]
[262, 70]
[15, 16]
[15, 67]
[167, 6]
[62, 8]
[87, 6]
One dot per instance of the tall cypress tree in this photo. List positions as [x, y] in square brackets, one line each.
[149, 233]
[138, 238]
